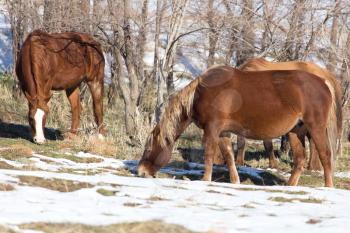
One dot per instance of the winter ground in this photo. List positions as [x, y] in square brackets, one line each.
[88, 189]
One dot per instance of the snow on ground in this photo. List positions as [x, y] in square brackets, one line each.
[197, 205]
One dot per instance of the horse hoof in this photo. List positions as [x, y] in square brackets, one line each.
[206, 179]
[100, 136]
[39, 141]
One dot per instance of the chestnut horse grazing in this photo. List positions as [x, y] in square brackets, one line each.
[260, 64]
[59, 61]
[256, 105]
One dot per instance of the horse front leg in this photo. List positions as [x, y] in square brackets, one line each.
[226, 150]
[74, 100]
[210, 142]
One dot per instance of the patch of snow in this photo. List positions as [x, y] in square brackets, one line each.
[342, 174]
[197, 205]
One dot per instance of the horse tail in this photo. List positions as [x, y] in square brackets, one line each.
[339, 115]
[332, 123]
[178, 109]
[24, 71]
[337, 96]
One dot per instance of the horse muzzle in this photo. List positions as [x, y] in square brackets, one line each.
[145, 171]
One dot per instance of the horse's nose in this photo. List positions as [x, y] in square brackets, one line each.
[141, 174]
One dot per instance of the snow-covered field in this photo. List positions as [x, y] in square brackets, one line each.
[106, 198]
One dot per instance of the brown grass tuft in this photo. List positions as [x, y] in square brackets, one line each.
[132, 204]
[144, 227]
[54, 184]
[304, 200]
[106, 192]
[6, 187]
[4, 165]
[16, 152]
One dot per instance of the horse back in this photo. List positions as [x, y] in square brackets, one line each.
[267, 103]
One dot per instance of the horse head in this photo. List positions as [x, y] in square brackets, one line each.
[155, 155]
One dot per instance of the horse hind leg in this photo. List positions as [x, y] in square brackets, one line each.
[273, 161]
[74, 100]
[96, 88]
[226, 150]
[240, 150]
[314, 160]
[319, 137]
[297, 143]
[219, 158]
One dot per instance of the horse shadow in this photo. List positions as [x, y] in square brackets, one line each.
[12, 130]
[196, 155]
[195, 171]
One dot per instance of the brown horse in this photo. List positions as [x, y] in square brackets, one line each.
[260, 64]
[59, 61]
[256, 105]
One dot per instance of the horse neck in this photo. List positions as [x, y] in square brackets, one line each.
[178, 130]
[182, 127]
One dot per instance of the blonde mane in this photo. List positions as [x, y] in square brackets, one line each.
[179, 105]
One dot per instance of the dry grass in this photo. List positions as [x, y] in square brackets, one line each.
[4, 229]
[106, 192]
[6, 187]
[157, 198]
[132, 204]
[273, 191]
[294, 199]
[54, 184]
[313, 221]
[318, 181]
[137, 227]
[15, 152]
[248, 206]
[4, 165]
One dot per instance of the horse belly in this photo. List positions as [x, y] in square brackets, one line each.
[266, 127]
[67, 80]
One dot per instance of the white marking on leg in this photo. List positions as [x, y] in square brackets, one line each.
[39, 131]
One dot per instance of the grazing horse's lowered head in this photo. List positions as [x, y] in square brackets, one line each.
[174, 120]
[60, 61]
[154, 156]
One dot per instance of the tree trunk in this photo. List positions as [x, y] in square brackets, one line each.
[157, 77]
[48, 15]
[85, 13]
[232, 40]
[247, 34]
[179, 9]
[332, 57]
[141, 40]
[291, 49]
[131, 108]
[213, 34]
